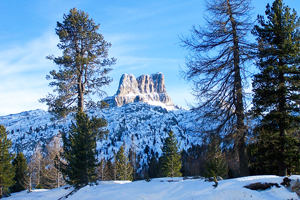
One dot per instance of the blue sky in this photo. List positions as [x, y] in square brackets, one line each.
[145, 37]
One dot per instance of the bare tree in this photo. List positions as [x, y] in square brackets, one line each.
[36, 166]
[52, 175]
[104, 170]
[216, 68]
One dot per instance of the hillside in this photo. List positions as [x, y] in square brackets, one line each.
[140, 124]
[160, 188]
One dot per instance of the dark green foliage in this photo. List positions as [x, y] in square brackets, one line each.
[216, 66]
[171, 162]
[82, 67]
[193, 160]
[264, 154]
[154, 168]
[21, 177]
[215, 162]
[124, 168]
[80, 149]
[108, 168]
[276, 86]
[7, 171]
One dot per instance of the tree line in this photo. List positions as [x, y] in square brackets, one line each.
[265, 138]
[237, 140]
[49, 168]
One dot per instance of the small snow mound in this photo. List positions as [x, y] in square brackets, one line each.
[112, 182]
[40, 190]
[248, 178]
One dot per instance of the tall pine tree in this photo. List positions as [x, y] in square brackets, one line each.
[80, 149]
[276, 87]
[124, 168]
[7, 171]
[215, 162]
[83, 67]
[171, 163]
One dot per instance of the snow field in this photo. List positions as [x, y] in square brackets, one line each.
[162, 189]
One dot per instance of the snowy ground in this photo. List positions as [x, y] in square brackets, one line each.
[160, 188]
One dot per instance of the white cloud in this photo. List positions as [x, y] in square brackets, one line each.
[23, 70]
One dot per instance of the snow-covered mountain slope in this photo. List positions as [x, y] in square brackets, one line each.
[161, 188]
[139, 125]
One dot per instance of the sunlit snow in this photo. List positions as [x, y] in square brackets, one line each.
[168, 188]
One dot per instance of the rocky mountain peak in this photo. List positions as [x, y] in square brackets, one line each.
[144, 88]
[152, 84]
[127, 85]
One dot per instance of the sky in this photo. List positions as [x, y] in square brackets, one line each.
[145, 38]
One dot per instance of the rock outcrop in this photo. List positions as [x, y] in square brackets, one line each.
[142, 89]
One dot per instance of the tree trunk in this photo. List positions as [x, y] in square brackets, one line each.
[80, 95]
[240, 132]
[30, 183]
[57, 178]
[39, 172]
[282, 110]
[125, 171]
[80, 85]
[133, 157]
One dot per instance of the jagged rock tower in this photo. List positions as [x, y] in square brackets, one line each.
[142, 89]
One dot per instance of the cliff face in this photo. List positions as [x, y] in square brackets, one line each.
[142, 89]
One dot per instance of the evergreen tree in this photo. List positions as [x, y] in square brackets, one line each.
[124, 168]
[80, 149]
[21, 176]
[109, 170]
[171, 163]
[7, 171]
[193, 159]
[153, 168]
[215, 162]
[83, 65]
[276, 86]
[216, 67]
